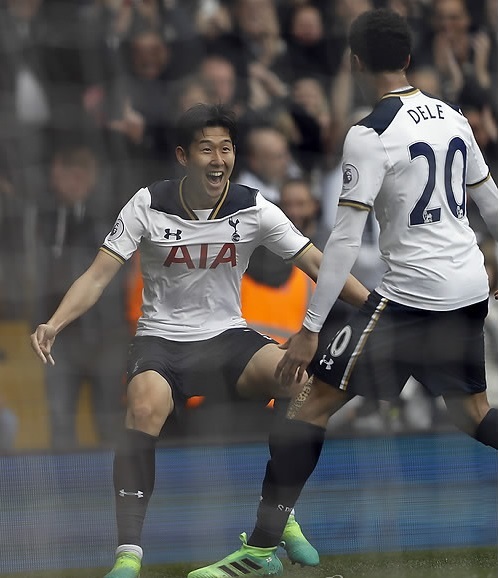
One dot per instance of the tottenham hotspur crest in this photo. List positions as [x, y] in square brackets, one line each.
[235, 234]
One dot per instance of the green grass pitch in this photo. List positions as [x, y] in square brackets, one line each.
[457, 563]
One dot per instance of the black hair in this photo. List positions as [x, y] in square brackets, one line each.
[200, 116]
[381, 39]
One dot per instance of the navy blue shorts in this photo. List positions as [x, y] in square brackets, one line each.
[385, 343]
[210, 367]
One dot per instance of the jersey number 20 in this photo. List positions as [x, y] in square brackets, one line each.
[420, 214]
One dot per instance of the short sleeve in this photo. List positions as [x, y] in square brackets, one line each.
[129, 228]
[364, 165]
[278, 234]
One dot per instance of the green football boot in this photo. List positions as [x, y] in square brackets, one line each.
[246, 561]
[298, 549]
[127, 565]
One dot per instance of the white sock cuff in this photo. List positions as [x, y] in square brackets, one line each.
[130, 548]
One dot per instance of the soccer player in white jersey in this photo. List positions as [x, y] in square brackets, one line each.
[412, 161]
[195, 238]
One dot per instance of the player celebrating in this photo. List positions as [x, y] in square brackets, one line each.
[195, 238]
[412, 161]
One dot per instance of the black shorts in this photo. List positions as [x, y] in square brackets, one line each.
[210, 367]
[385, 343]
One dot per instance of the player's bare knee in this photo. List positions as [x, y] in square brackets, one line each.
[150, 402]
[146, 416]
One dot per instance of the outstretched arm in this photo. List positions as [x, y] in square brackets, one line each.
[353, 291]
[80, 297]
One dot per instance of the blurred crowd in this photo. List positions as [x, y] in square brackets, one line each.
[90, 91]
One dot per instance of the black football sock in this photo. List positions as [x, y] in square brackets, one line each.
[134, 476]
[295, 447]
[487, 430]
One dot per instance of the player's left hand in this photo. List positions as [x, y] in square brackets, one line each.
[300, 349]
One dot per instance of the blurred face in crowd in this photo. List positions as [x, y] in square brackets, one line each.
[256, 18]
[149, 56]
[219, 74]
[73, 175]
[24, 9]
[268, 155]
[297, 202]
[209, 162]
[307, 25]
[309, 94]
[451, 17]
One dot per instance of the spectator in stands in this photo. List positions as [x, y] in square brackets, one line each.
[69, 229]
[312, 52]
[315, 134]
[220, 75]
[267, 161]
[140, 113]
[257, 25]
[133, 107]
[461, 55]
[303, 209]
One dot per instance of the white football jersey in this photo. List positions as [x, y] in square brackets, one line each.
[412, 160]
[192, 261]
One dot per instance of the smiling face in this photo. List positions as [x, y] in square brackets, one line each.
[451, 18]
[209, 162]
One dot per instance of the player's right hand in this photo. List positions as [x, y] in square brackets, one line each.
[42, 340]
[300, 349]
